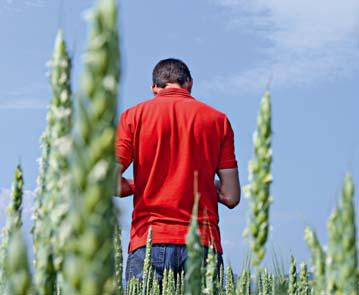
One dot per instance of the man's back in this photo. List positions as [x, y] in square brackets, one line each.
[169, 138]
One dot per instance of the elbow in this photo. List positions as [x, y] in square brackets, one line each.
[233, 204]
[233, 201]
[235, 198]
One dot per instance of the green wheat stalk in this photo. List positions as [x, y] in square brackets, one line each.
[230, 286]
[195, 255]
[16, 271]
[267, 283]
[53, 204]
[304, 287]
[342, 258]
[260, 179]
[168, 282]
[147, 265]
[118, 259]
[293, 285]
[178, 284]
[244, 283]
[88, 264]
[318, 261]
[348, 270]
[334, 258]
[211, 272]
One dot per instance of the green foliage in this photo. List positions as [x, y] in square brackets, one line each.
[59, 177]
[293, 286]
[318, 261]
[304, 287]
[244, 283]
[14, 267]
[260, 179]
[180, 283]
[193, 275]
[267, 283]
[333, 257]
[230, 286]
[349, 267]
[211, 272]
[342, 258]
[156, 288]
[117, 240]
[169, 284]
[221, 289]
[280, 282]
[41, 187]
[133, 287]
[259, 282]
[147, 266]
[39, 214]
[52, 203]
[14, 209]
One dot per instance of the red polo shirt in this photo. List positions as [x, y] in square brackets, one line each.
[168, 138]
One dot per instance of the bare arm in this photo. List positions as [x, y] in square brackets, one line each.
[125, 187]
[228, 187]
[124, 152]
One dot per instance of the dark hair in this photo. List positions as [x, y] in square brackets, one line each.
[171, 70]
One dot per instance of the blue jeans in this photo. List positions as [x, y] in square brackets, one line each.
[164, 256]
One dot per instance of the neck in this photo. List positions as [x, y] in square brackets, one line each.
[172, 85]
[156, 89]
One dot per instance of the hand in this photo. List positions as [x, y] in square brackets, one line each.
[228, 187]
[127, 187]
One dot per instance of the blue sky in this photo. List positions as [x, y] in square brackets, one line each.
[308, 50]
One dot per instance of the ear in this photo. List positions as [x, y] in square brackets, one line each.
[189, 86]
[154, 89]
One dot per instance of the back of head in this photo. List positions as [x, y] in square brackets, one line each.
[171, 70]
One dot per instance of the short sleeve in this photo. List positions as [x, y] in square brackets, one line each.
[227, 158]
[124, 140]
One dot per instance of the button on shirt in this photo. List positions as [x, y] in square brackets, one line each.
[168, 138]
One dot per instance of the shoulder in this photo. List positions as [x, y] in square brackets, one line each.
[132, 111]
[210, 111]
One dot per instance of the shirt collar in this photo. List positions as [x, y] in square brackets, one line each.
[174, 92]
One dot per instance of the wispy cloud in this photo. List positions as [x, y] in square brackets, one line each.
[34, 3]
[28, 97]
[306, 41]
[20, 5]
[22, 104]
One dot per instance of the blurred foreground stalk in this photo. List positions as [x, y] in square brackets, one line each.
[260, 179]
[193, 275]
[89, 256]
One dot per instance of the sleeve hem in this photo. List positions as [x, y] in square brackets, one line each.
[228, 165]
[124, 162]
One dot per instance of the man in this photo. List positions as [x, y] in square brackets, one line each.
[169, 138]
